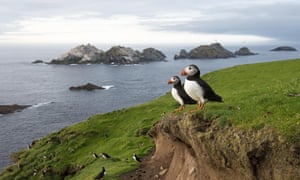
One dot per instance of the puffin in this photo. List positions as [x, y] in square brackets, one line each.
[179, 93]
[136, 158]
[105, 156]
[95, 155]
[101, 174]
[197, 88]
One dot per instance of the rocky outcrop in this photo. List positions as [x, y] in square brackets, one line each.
[38, 61]
[244, 51]
[183, 54]
[151, 54]
[121, 55]
[82, 54]
[88, 87]
[85, 54]
[6, 109]
[284, 48]
[191, 146]
[213, 51]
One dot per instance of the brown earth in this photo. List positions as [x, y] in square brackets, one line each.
[190, 147]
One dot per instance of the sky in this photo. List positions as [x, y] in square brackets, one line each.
[150, 21]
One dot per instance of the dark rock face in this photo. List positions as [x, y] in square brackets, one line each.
[85, 54]
[151, 54]
[6, 109]
[82, 54]
[88, 87]
[212, 51]
[244, 51]
[284, 48]
[183, 54]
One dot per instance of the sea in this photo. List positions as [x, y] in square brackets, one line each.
[54, 106]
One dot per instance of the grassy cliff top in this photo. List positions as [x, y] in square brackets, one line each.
[255, 96]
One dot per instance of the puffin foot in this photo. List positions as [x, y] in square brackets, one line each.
[199, 107]
[179, 109]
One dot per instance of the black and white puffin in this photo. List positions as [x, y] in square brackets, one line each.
[105, 156]
[136, 158]
[101, 174]
[179, 93]
[197, 88]
[95, 155]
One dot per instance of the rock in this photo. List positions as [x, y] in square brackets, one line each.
[82, 54]
[151, 54]
[121, 55]
[88, 87]
[38, 61]
[210, 52]
[183, 54]
[244, 51]
[5, 109]
[284, 48]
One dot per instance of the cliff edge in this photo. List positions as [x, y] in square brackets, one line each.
[189, 146]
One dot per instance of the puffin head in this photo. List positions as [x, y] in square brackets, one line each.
[190, 70]
[174, 80]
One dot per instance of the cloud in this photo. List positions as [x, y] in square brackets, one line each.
[150, 21]
[89, 27]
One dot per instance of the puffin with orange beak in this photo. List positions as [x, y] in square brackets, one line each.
[197, 88]
[179, 93]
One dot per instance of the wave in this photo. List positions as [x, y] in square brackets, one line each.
[108, 87]
[39, 105]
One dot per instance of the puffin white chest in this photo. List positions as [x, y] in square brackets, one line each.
[176, 96]
[194, 90]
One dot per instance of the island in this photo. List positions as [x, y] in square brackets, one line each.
[212, 51]
[284, 48]
[244, 51]
[88, 87]
[6, 109]
[89, 54]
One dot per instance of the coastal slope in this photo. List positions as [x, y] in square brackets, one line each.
[254, 134]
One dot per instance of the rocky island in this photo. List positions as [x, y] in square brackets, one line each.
[6, 109]
[88, 87]
[85, 54]
[244, 51]
[284, 48]
[212, 51]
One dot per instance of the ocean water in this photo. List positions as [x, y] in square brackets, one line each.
[46, 88]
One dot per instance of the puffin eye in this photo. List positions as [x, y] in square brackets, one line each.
[190, 68]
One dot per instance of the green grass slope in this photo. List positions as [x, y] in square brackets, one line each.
[255, 96]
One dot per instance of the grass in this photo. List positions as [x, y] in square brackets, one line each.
[255, 96]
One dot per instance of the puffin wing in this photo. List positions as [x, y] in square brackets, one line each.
[208, 91]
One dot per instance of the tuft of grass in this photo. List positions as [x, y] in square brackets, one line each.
[255, 96]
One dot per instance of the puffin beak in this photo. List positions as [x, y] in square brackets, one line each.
[169, 81]
[183, 73]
